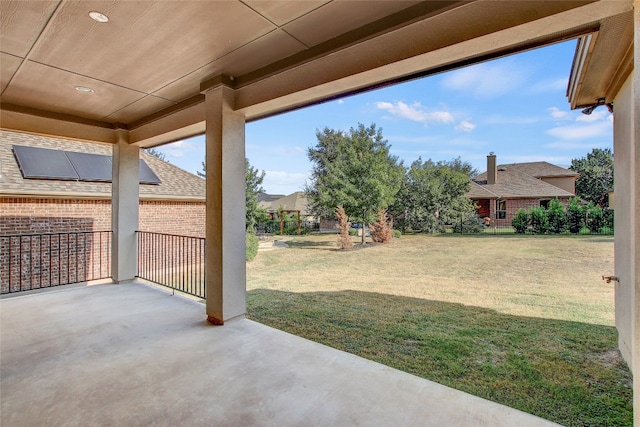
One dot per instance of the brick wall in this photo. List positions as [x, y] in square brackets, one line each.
[33, 215]
[182, 218]
[32, 262]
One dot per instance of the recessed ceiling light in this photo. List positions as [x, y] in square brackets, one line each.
[84, 89]
[98, 17]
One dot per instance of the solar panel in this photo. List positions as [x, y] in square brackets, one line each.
[91, 167]
[147, 176]
[43, 163]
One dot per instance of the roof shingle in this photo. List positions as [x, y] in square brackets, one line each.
[176, 183]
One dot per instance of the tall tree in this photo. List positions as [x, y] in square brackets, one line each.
[322, 155]
[253, 186]
[433, 194]
[354, 170]
[459, 165]
[596, 176]
[254, 179]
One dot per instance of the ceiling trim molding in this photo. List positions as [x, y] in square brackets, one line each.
[29, 120]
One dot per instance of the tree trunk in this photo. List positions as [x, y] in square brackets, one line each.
[364, 233]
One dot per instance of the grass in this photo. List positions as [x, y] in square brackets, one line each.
[523, 321]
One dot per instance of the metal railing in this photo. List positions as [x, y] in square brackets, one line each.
[174, 261]
[34, 261]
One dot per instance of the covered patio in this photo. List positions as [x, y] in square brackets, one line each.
[137, 75]
[136, 355]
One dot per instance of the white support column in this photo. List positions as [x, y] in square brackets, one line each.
[124, 209]
[225, 233]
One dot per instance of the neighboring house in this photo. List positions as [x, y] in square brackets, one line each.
[293, 203]
[504, 189]
[174, 203]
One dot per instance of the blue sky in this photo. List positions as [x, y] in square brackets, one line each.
[515, 107]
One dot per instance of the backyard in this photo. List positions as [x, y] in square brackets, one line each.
[523, 321]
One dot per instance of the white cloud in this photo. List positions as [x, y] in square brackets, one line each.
[596, 125]
[178, 149]
[340, 101]
[174, 152]
[580, 131]
[556, 113]
[415, 112]
[489, 79]
[182, 144]
[597, 115]
[465, 126]
[578, 145]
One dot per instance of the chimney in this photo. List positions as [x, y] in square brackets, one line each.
[492, 169]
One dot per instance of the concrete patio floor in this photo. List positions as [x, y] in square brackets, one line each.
[134, 355]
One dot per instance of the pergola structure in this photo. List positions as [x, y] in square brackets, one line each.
[141, 74]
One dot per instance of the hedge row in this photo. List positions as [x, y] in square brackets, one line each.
[576, 218]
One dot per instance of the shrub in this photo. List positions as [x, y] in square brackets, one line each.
[381, 229]
[252, 243]
[353, 232]
[557, 217]
[468, 223]
[397, 234]
[575, 216]
[606, 230]
[608, 220]
[344, 237]
[520, 221]
[539, 220]
[291, 229]
[594, 216]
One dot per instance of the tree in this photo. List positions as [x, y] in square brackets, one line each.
[355, 170]
[156, 153]
[458, 165]
[253, 186]
[596, 176]
[344, 239]
[381, 229]
[254, 179]
[433, 194]
[323, 154]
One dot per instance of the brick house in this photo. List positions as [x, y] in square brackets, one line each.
[504, 189]
[175, 205]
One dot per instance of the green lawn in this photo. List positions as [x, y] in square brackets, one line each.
[524, 321]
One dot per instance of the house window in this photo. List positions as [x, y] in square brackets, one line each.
[544, 204]
[501, 212]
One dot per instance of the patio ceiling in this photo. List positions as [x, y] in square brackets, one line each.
[149, 65]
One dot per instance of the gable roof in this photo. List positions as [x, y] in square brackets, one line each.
[513, 184]
[175, 183]
[268, 198]
[539, 169]
[294, 202]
